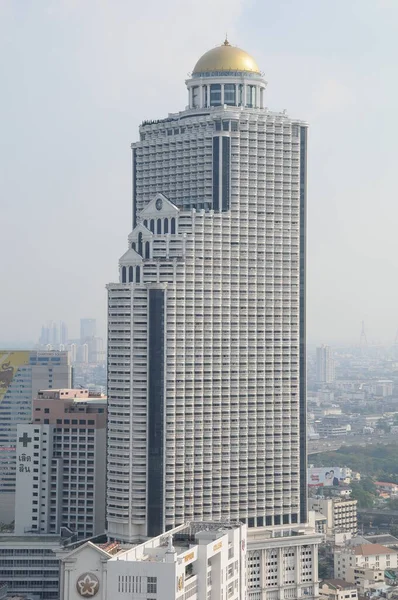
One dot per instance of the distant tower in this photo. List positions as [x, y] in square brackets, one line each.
[324, 365]
[88, 329]
[63, 333]
[363, 340]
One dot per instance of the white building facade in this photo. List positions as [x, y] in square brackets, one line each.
[282, 563]
[206, 325]
[198, 561]
[22, 375]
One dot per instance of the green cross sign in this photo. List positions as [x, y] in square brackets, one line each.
[25, 440]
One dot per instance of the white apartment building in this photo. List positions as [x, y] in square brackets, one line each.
[22, 374]
[206, 325]
[198, 561]
[364, 564]
[61, 459]
[337, 589]
[341, 514]
[282, 563]
[325, 369]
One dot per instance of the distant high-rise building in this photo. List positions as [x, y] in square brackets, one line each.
[206, 329]
[73, 352]
[22, 375]
[324, 365]
[52, 335]
[66, 446]
[88, 329]
[63, 333]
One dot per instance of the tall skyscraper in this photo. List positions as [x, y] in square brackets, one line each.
[206, 330]
[22, 375]
[88, 329]
[324, 365]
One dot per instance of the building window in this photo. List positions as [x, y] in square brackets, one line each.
[251, 96]
[240, 95]
[152, 225]
[159, 226]
[215, 94]
[140, 244]
[206, 98]
[137, 275]
[230, 94]
[173, 225]
[166, 226]
[147, 250]
[123, 281]
[195, 97]
[130, 274]
[152, 585]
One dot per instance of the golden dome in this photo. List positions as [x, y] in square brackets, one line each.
[226, 58]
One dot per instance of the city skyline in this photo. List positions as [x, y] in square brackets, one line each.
[351, 246]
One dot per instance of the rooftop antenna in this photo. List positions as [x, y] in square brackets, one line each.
[226, 42]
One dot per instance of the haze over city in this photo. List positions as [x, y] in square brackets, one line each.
[79, 77]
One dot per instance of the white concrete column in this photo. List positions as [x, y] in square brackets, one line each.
[280, 568]
[314, 549]
[222, 94]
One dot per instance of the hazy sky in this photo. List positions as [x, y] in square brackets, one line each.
[77, 78]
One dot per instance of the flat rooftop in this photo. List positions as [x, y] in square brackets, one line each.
[34, 539]
[177, 540]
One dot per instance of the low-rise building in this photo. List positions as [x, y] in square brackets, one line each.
[341, 514]
[196, 561]
[386, 487]
[331, 426]
[364, 564]
[337, 589]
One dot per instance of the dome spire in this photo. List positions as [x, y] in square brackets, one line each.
[226, 42]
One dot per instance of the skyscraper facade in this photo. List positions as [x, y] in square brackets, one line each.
[324, 365]
[206, 325]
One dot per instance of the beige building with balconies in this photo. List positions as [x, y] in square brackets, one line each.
[341, 514]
